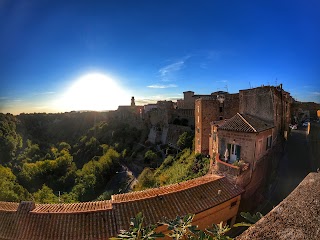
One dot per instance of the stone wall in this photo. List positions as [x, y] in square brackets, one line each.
[271, 104]
[208, 109]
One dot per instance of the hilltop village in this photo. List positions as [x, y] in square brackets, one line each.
[242, 134]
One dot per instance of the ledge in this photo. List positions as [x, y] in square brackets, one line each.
[296, 217]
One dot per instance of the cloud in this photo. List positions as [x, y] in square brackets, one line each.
[171, 68]
[154, 99]
[315, 93]
[162, 86]
[167, 72]
[222, 81]
[43, 93]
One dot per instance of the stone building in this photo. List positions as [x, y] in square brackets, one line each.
[243, 137]
[217, 106]
[187, 102]
[269, 103]
[211, 198]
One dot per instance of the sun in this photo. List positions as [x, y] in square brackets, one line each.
[94, 91]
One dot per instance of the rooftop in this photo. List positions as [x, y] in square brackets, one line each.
[104, 219]
[245, 123]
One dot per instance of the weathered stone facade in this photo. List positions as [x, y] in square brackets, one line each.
[269, 103]
[215, 107]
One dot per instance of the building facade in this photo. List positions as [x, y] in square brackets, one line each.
[217, 106]
[243, 137]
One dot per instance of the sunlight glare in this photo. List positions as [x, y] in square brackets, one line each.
[94, 91]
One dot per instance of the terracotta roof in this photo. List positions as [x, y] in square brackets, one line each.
[153, 192]
[201, 195]
[296, 217]
[102, 220]
[49, 226]
[245, 123]
[73, 207]
[8, 206]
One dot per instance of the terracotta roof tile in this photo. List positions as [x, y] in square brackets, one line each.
[174, 200]
[245, 123]
[101, 220]
[8, 206]
[73, 207]
[149, 193]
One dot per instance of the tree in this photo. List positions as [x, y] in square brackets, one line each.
[10, 190]
[185, 140]
[45, 195]
[150, 156]
[146, 180]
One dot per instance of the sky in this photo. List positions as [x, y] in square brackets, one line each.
[58, 56]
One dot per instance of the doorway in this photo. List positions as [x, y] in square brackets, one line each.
[234, 151]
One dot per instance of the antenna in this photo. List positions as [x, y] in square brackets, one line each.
[226, 87]
[276, 81]
[250, 84]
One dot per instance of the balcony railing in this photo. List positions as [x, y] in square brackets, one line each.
[227, 167]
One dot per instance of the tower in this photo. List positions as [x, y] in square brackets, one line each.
[133, 102]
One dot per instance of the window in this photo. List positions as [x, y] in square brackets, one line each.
[198, 108]
[198, 130]
[269, 142]
[198, 119]
[220, 109]
[198, 141]
[233, 204]
[220, 117]
[215, 136]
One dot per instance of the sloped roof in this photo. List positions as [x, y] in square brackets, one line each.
[104, 219]
[245, 123]
[178, 199]
[8, 206]
[55, 226]
[153, 192]
[73, 207]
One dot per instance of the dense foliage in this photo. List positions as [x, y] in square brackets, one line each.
[175, 168]
[72, 155]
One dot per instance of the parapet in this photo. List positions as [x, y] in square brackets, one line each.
[296, 217]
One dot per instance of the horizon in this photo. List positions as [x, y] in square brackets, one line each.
[62, 57]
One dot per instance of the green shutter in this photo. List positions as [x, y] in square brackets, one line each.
[238, 151]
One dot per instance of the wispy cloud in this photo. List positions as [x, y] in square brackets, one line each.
[162, 86]
[315, 93]
[167, 72]
[43, 93]
[171, 68]
[154, 99]
[222, 81]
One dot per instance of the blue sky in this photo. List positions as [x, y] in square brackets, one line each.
[154, 50]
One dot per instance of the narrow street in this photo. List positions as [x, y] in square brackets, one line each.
[293, 168]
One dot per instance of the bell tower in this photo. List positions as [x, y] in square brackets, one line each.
[133, 102]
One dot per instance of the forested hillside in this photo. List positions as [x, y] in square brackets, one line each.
[74, 155]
